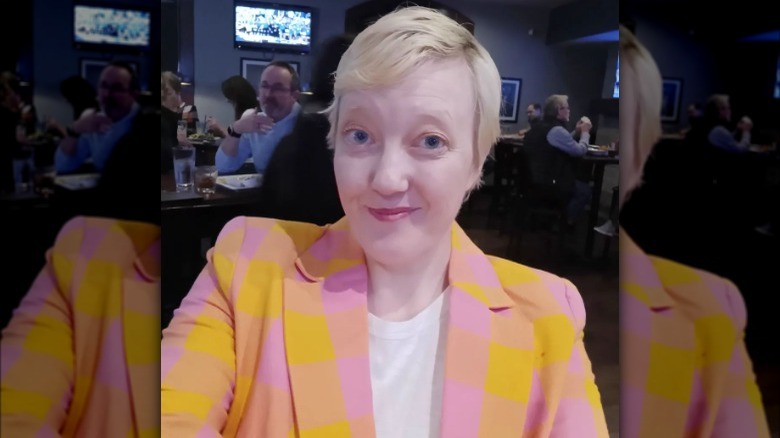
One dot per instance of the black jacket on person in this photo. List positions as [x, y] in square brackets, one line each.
[299, 183]
[551, 168]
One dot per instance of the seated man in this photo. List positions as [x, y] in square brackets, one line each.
[95, 135]
[255, 134]
[534, 112]
[554, 151]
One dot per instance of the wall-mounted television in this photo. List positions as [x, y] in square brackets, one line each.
[272, 27]
[616, 88]
[97, 26]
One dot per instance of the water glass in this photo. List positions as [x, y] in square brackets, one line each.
[24, 169]
[183, 167]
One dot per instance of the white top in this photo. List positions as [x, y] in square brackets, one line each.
[407, 372]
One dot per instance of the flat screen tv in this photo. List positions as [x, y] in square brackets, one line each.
[272, 27]
[616, 88]
[110, 27]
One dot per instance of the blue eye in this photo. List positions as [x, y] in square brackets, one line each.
[358, 136]
[432, 142]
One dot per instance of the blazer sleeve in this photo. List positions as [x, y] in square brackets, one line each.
[741, 410]
[198, 369]
[580, 412]
[37, 354]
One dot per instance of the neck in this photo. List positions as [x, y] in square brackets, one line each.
[399, 292]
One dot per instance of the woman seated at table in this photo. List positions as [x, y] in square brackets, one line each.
[390, 321]
[241, 95]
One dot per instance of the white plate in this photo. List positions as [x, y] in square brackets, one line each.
[240, 182]
[78, 182]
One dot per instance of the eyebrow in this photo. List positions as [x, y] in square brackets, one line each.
[442, 117]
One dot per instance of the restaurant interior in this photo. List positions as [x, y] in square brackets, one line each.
[726, 224]
[53, 64]
[540, 48]
[713, 209]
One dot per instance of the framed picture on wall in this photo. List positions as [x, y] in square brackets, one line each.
[251, 69]
[510, 99]
[90, 69]
[670, 103]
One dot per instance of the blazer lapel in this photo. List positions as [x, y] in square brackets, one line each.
[326, 338]
[489, 355]
[141, 326]
[658, 344]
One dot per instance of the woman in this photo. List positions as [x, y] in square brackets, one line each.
[685, 370]
[390, 322]
[79, 354]
[241, 94]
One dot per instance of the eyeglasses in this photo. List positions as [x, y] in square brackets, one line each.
[276, 89]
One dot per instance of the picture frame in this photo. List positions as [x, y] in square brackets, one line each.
[91, 68]
[510, 99]
[671, 98]
[251, 69]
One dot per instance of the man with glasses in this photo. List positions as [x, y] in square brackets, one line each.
[95, 135]
[256, 134]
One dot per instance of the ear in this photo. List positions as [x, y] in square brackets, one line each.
[296, 94]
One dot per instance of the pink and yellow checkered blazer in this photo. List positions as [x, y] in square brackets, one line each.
[272, 341]
[80, 356]
[685, 370]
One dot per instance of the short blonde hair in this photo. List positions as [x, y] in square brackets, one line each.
[388, 50]
[640, 108]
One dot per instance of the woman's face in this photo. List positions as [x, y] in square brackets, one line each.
[404, 158]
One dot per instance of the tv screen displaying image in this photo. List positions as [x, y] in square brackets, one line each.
[96, 25]
[273, 27]
[616, 89]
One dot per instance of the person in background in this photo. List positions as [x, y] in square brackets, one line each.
[257, 134]
[80, 94]
[534, 112]
[95, 135]
[695, 113]
[299, 183]
[685, 370]
[188, 113]
[10, 116]
[240, 93]
[555, 153]
[716, 128]
[170, 95]
[390, 322]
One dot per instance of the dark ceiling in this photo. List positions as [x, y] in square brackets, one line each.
[728, 22]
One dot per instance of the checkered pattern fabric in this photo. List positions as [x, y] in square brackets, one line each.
[272, 341]
[685, 370]
[80, 355]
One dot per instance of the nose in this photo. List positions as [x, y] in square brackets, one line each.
[391, 171]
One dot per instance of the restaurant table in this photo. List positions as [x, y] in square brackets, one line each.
[191, 223]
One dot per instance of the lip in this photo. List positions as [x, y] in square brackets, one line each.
[391, 214]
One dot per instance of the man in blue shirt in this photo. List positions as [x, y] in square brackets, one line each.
[95, 134]
[256, 134]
